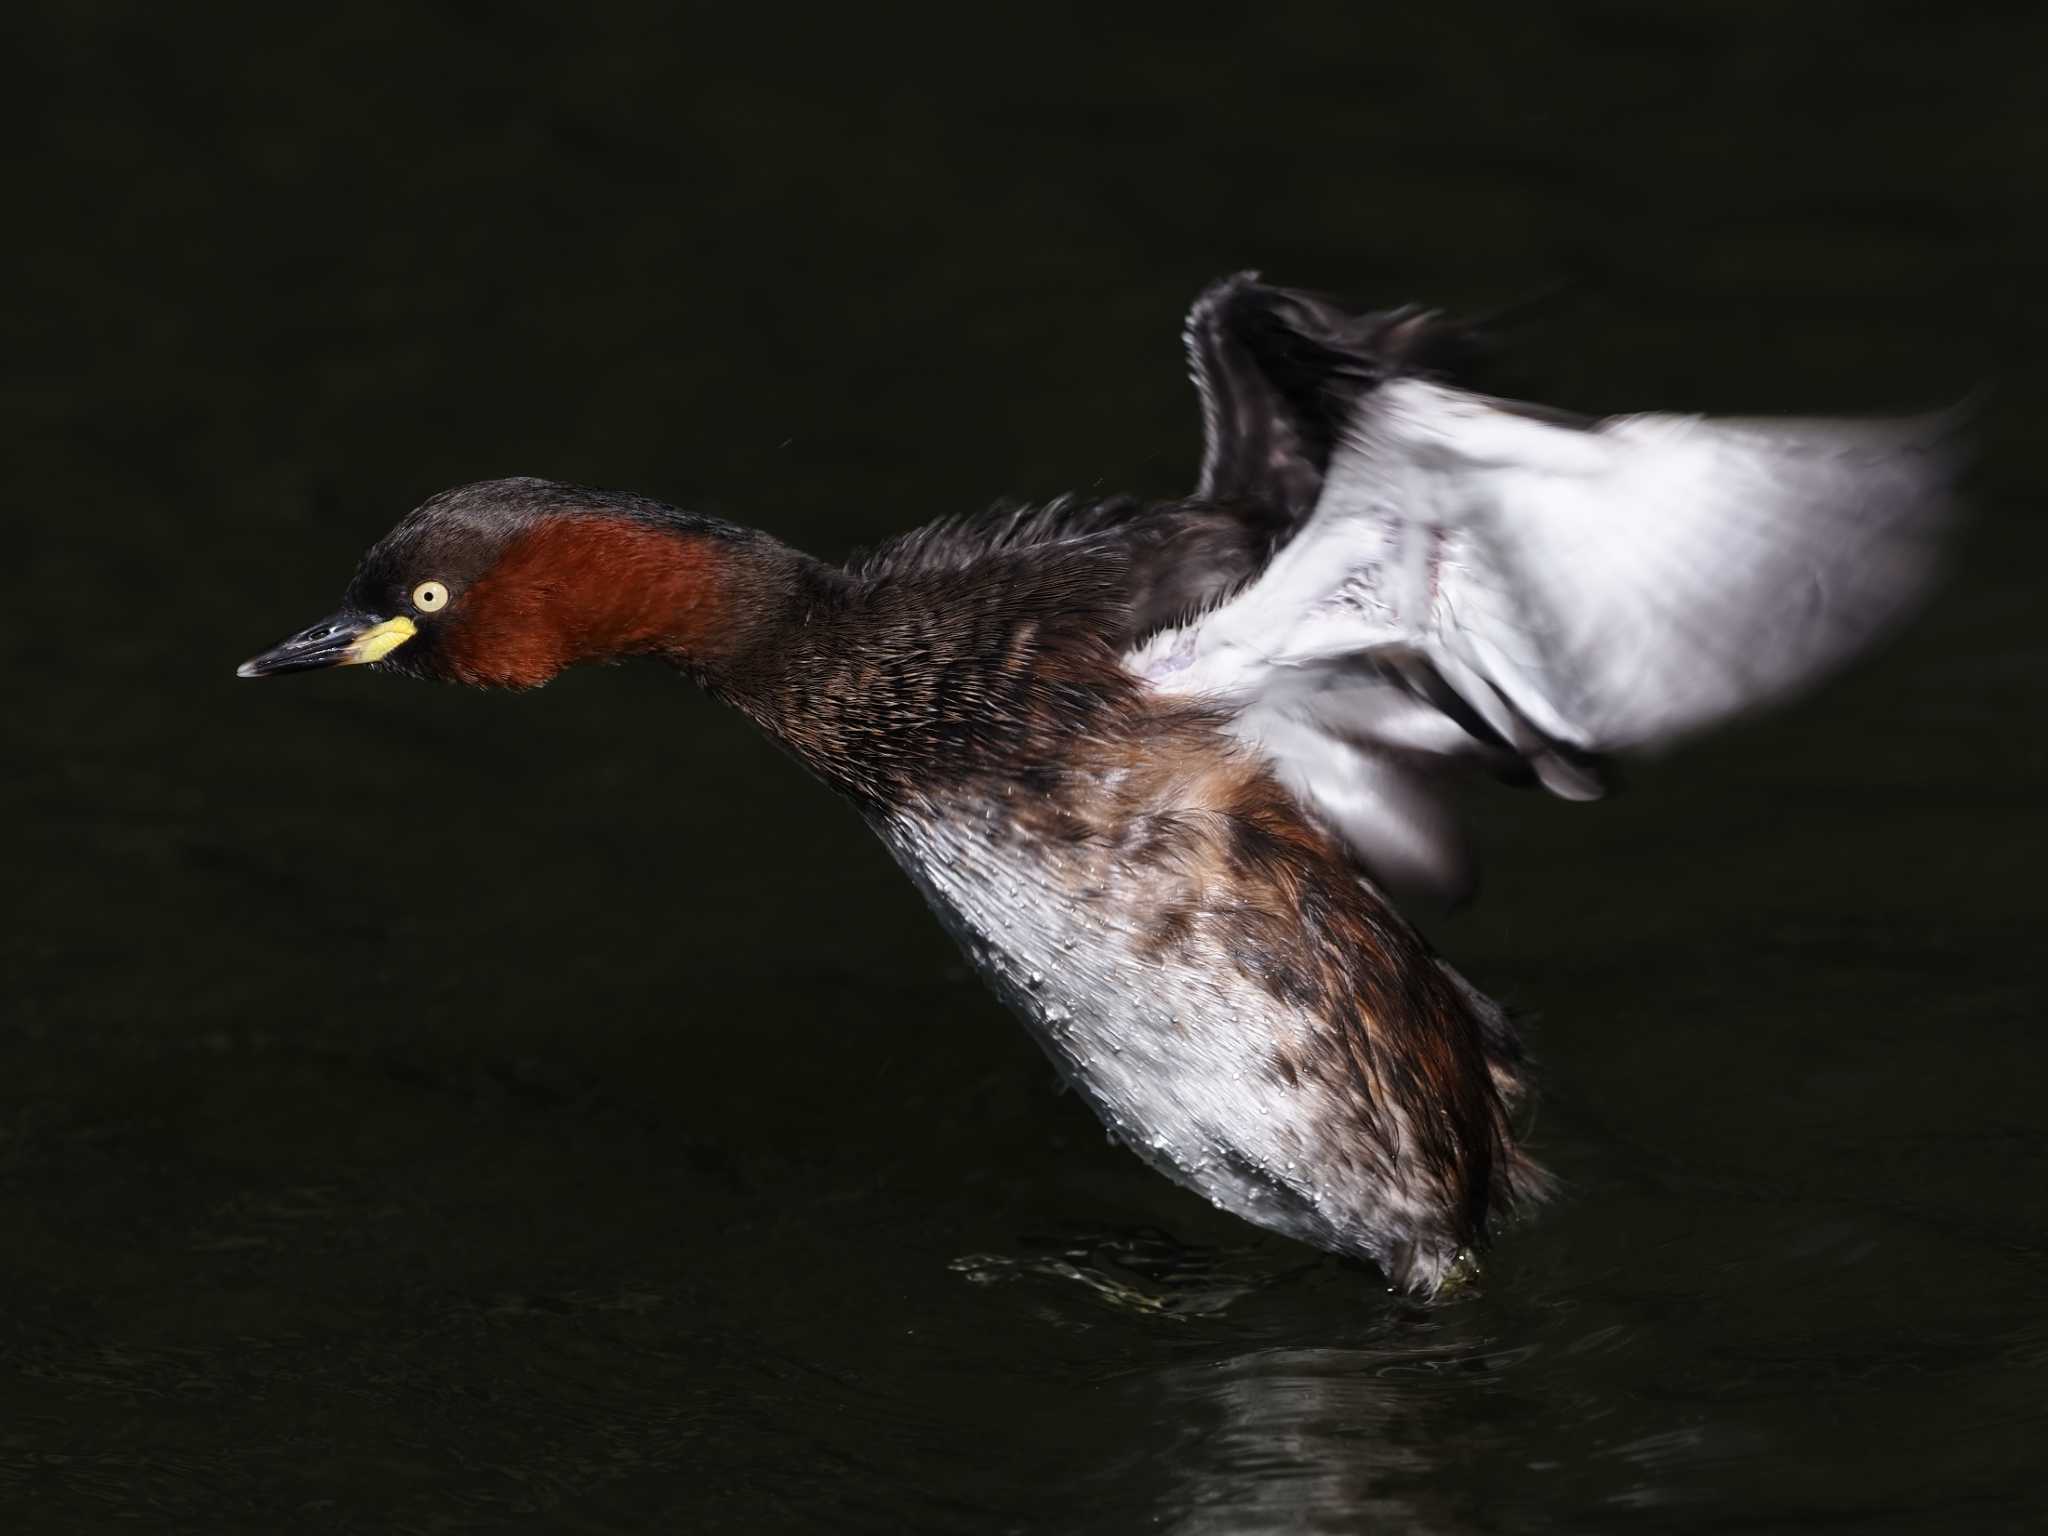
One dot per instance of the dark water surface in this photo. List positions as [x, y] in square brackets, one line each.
[430, 1111]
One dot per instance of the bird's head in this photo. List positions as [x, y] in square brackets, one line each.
[506, 582]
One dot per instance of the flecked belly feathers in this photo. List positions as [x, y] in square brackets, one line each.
[1174, 1055]
[1161, 923]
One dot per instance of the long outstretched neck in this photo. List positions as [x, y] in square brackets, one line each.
[883, 682]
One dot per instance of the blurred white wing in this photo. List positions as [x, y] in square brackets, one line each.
[1483, 578]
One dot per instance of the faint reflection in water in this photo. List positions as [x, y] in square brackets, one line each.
[1276, 1438]
[1433, 1437]
[1307, 1439]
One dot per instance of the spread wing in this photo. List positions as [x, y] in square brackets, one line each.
[1280, 372]
[1480, 579]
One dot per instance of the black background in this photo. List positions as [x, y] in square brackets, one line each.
[423, 1110]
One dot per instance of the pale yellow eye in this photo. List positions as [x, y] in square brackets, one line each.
[429, 596]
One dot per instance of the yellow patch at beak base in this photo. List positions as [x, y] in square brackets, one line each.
[379, 641]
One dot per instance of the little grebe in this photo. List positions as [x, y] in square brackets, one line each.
[1154, 764]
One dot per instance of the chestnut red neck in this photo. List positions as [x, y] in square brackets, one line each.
[577, 588]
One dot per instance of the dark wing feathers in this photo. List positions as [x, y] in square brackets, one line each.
[1280, 371]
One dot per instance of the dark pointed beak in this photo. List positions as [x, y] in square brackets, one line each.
[345, 639]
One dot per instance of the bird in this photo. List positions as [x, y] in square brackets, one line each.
[1174, 773]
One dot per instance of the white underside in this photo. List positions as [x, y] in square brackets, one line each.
[1175, 1055]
